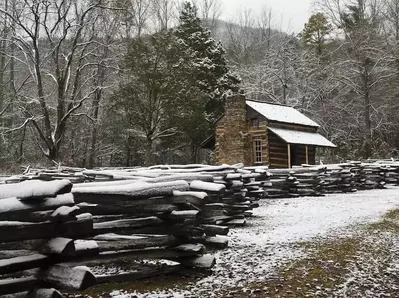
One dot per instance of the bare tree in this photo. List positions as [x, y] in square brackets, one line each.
[3, 45]
[265, 57]
[106, 57]
[210, 12]
[134, 16]
[164, 14]
[366, 66]
[52, 40]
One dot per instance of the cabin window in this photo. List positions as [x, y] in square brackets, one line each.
[258, 151]
[254, 122]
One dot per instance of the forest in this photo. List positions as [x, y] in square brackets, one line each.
[93, 83]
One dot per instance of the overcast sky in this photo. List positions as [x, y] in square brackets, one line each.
[291, 15]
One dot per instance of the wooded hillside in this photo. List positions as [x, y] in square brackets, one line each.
[137, 82]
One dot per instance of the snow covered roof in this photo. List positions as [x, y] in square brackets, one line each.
[280, 113]
[302, 137]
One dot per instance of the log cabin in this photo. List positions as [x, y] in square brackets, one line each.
[261, 133]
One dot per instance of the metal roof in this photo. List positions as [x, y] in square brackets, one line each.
[280, 113]
[302, 137]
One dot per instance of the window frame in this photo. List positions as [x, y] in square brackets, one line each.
[258, 150]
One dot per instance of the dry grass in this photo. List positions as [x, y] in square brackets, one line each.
[327, 265]
[393, 214]
[390, 223]
[319, 274]
[324, 267]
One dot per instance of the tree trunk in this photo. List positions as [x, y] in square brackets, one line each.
[84, 160]
[129, 151]
[53, 153]
[149, 152]
[101, 72]
[3, 44]
[13, 92]
[92, 153]
[93, 143]
[367, 114]
[194, 153]
[21, 146]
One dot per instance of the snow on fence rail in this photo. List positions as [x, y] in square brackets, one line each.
[48, 229]
[324, 179]
[51, 228]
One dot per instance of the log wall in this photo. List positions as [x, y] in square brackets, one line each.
[258, 133]
[278, 152]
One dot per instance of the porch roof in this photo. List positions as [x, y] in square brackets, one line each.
[301, 137]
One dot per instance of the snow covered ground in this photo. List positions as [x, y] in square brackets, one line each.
[292, 220]
[273, 236]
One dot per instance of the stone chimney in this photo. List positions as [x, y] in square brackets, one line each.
[232, 140]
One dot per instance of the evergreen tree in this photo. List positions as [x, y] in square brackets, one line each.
[210, 68]
[157, 93]
[316, 32]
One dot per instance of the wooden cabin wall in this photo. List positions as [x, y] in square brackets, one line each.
[259, 132]
[278, 148]
[292, 126]
[312, 154]
[279, 157]
[300, 154]
[278, 153]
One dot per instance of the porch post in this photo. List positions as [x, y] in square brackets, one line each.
[289, 155]
[307, 154]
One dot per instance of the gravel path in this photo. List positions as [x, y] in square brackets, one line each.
[272, 235]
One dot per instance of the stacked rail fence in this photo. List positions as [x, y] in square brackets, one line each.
[62, 229]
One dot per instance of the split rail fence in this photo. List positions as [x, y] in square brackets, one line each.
[59, 228]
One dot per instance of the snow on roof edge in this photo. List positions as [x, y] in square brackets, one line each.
[280, 113]
[302, 137]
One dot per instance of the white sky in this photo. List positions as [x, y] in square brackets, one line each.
[288, 15]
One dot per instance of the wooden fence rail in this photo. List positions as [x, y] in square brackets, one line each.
[53, 221]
